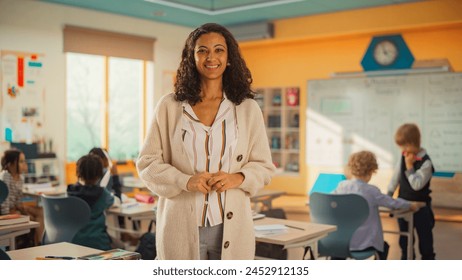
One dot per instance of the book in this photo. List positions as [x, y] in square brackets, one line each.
[114, 254]
[10, 219]
[270, 230]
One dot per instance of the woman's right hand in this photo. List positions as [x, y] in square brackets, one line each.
[198, 183]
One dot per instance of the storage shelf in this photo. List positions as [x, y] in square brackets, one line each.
[281, 110]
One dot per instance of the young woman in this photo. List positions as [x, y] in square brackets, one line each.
[207, 153]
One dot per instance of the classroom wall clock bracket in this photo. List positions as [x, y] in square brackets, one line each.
[387, 52]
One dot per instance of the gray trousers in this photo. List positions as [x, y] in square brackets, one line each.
[210, 239]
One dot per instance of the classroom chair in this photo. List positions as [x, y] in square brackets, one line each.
[3, 255]
[4, 191]
[327, 182]
[348, 212]
[63, 217]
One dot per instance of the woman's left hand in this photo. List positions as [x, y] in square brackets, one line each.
[222, 181]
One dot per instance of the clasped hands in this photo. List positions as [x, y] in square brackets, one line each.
[206, 182]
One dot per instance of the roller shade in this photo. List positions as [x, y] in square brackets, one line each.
[100, 42]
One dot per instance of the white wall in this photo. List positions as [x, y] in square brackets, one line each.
[32, 26]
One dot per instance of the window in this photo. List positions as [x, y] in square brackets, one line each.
[105, 98]
[108, 76]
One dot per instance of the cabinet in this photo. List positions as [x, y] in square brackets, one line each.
[281, 111]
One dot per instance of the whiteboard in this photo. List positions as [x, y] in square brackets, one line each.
[352, 114]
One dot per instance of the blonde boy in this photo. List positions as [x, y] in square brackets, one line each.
[361, 166]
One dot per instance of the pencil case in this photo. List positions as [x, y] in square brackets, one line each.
[144, 198]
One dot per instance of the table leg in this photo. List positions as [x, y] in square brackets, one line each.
[410, 239]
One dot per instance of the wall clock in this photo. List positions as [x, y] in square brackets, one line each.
[387, 52]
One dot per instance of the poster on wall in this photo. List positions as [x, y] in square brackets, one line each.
[22, 97]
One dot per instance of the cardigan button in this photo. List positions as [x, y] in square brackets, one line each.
[239, 158]
[229, 215]
[226, 245]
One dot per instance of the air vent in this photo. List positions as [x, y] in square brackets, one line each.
[252, 31]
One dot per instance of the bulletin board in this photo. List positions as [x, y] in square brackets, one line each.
[22, 96]
[345, 115]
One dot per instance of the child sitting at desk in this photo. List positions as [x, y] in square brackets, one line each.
[89, 172]
[369, 235]
[14, 165]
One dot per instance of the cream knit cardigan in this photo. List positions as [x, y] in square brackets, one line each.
[164, 167]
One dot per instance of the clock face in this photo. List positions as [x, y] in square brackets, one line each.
[385, 52]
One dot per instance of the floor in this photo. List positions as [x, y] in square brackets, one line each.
[447, 233]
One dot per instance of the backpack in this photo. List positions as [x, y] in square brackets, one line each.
[272, 251]
[147, 245]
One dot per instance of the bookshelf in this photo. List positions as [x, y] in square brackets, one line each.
[281, 111]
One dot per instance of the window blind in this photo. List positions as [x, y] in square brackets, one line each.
[100, 42]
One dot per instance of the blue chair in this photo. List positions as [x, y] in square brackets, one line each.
[348, 212]
[4, 191]
[327, 182]
[63, 217]
[3, 255]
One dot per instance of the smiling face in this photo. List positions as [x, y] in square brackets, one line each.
[211, 56]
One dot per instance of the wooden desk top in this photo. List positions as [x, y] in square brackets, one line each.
[60, 190]
[56, 249]
[18, 227]
[271, 193]
[397, 213]
[303, 232]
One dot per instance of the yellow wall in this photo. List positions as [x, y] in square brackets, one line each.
[314, 47]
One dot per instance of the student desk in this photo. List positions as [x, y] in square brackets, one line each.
[60, 190]
[136, 213]
[56, 249]
[298, 234]
[408, 215]
[8, 233]
[266, 198]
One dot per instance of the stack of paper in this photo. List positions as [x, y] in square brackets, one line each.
[10, 219]
[39, 188]
[128, 202]
[269, 230]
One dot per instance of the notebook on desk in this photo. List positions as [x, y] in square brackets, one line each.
[115, 254]
[327, 182]
[11, 219]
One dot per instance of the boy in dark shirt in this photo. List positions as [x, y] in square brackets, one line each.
[413, 174]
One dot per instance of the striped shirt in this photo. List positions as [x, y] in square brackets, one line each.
[210, 149]
[15, 192]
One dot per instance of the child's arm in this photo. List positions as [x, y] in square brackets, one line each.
[416, 205]
[389, 202]
[420, 177]
[394, 179]
[109, 198]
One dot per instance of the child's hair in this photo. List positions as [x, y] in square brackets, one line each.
[99, 152]
[11, 157]
[362, 164]
[89, 169]
[408, 133]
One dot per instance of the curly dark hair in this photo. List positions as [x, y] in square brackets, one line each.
[89, 169]
[236, 78]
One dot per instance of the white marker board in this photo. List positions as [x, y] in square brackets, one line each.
[352, 114]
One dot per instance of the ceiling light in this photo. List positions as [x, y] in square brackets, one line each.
[225, 10]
